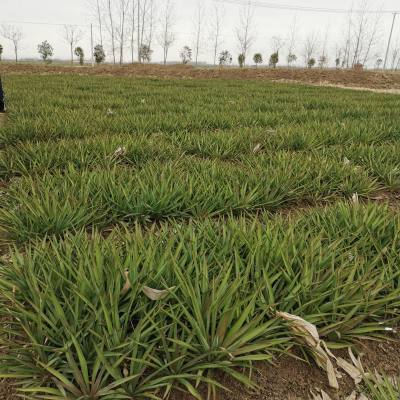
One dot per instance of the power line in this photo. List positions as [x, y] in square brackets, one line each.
[304, 8]
[42, 23]
[87, 26]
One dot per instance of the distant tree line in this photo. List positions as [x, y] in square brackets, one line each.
[130, 30]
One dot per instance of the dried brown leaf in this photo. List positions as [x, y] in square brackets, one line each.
[301, 326]
[356, 361]
[355, 198]
[330, 370]
[257, 148]
[152, 294]
[321, 395]
[353, 396]
[350, 369]
[325, 395]
[155, 294]
[119, 152]
[309, 334]
[315, 396]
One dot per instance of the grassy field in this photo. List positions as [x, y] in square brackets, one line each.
[152, 229]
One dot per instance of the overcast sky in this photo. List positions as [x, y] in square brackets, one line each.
[267, 23]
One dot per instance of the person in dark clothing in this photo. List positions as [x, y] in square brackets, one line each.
[2, 100]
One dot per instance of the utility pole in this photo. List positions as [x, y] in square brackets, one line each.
[390, 40]
[91, 43]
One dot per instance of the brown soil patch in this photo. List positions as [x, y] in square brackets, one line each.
[292, 379]
[7, 391]
[338, 78]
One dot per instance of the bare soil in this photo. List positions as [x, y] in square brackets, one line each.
[292, 379]
[7, 391]
[361, 80]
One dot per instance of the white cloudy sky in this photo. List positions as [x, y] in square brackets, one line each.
[267, 23]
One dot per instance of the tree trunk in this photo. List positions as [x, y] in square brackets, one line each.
[122, 36]
[138, 31]
[143, 22]
[112, 30]
[133, 31]
[100, 24]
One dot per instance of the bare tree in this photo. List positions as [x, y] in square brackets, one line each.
[96, 8]
[14, 34]
[323, 59]
[215, 30]
[111, 28]
[198, 26]
[167, 35]
[123, 8]
[291, 40]
[359, 31]
[310, 47]
[132, 29]
[139, 40]
[371, 36]
[100, 20]
[150, 23]
[244, 30]
[362, 34]
[339, 61]
[72, 35]
[347, 41]
[277, 43]
[143, 21]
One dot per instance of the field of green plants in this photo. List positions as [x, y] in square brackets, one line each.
[152, 229]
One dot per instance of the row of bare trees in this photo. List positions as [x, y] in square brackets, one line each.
[70, 33]
[130, 24]
[130, 29]
[135, 24]
[144, 19]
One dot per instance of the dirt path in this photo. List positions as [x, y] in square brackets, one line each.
[387, 81]
[363, 89]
